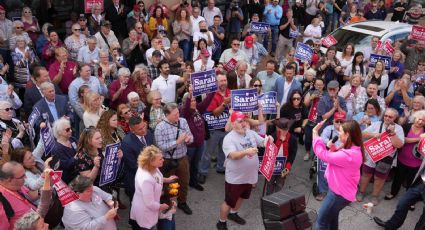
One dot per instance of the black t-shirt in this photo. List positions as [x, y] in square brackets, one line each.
[398, 15]
[340, 3]
[284, 32]
[295, 114]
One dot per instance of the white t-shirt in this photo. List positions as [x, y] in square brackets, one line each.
[195, 23]
[198, 64]
[167, 88]
[198, 35]
[313, 31]
[244, 170]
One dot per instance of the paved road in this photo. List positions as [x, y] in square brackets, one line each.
[205, 205]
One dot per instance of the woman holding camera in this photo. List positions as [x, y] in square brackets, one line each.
[342, 172]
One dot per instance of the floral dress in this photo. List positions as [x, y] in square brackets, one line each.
[84, 163]
[74, 46]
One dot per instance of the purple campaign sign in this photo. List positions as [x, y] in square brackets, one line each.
[322, 165]
[279, 165]
[375, 57]
[203, 82]
[244, 100]
[268, 101]
[48, 139]
[110, 164]
[260, 27]
[216, 122]
[303, 52]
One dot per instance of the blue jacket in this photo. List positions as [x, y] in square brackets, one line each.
[280, 87]
[62, 105]
[131, 147]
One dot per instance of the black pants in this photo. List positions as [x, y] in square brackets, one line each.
[135, 226]
[403, 173]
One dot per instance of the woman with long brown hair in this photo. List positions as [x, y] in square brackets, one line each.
[88, 155]
[182, 28]
[342, 172]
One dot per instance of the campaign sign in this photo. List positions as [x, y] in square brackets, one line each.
[379, 148]
[375, 58]
[34, 116]
[88, 5]
[388, 47]
[230, 65]
[244, 100]
[303, 52]
[260, 27]
[269, 160]
[279, 165]
[421, 147]
[420, 78]
[203, 82]
[216, 122]
[329, 41]
[65, 194]
[215, 46]
[110, 164]
[312, 115]
[268, 101]
[293, 33]
[418, 33]
[48, 139]
[322, 165]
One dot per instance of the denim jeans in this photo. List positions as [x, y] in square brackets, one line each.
[308, 136]
[328, 18]
[414, 194]
[329, 211]
[335, 20]
[185, 46]
[321, 180]
[275, 33]
[194, 154]
[166, 224]
[216, 141]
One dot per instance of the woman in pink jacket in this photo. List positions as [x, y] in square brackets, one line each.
[342, 173]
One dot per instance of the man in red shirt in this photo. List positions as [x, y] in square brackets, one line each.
[219, 105]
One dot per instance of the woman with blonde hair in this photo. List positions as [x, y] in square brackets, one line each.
[350, 92]
[124, 114]
[30, 24]
[92, 109]
[153, 111]
[146, 206]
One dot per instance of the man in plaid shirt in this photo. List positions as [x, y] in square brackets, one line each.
[371, 92]
[172, 135]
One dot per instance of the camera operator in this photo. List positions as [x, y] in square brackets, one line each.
[234, 16]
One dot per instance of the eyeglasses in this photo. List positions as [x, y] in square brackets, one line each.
[296, 98]
[19, 27]
[76, 29]
[290, 55]
[236, 44]
[68, 130]
[339, 121]
[126, 112]
[388, 116]
[8, 109]
[258, 85]
[21, 177]
[27, 12]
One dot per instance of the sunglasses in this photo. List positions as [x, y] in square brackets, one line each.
[296, 99]
[27, 12]
[19, 27]
[8, 109]
[236, 44]
[76, 29]
[258, 85]
[67, 130]
[339, 121]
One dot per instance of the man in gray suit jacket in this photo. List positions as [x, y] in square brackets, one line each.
[415, 193]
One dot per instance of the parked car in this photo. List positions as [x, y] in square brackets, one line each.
[361, 33]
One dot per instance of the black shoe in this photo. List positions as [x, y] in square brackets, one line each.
[235, 217]
[379, 221]
[202, 179]
[220, 172]
[197, 187]
[221, 225]
[185, 208]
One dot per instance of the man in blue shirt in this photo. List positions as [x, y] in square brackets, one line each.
[272, 14]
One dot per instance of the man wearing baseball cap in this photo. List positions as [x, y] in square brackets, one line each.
[105, 37]
[330, 103]
[153, 68]
[240, 148]
[251, 54]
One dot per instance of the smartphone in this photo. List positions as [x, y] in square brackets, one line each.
[55, 162]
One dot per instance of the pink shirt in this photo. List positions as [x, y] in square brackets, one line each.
[406, 157]
[67, 76]
[343, 171]
[20, 207]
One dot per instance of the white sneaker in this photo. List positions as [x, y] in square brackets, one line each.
[307, 157]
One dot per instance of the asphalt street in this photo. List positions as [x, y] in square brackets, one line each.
[205, 204]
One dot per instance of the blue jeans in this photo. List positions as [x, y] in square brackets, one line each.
[166, 224]
[321, 180]
[185, 46]
[194, 155]
[275, 33]
[414, 194]
[328, 19]
[329, 211]
[216, 141]
[335, 20]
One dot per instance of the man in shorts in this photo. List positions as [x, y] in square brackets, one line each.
[240, 148]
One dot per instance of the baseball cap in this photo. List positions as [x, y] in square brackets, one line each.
[105, 23]
[156, 53]
[82, 16]
[339, 116]
[333, 84]
[237, 116]
[249, 42]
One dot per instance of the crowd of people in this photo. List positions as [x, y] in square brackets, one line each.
[121, 75]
